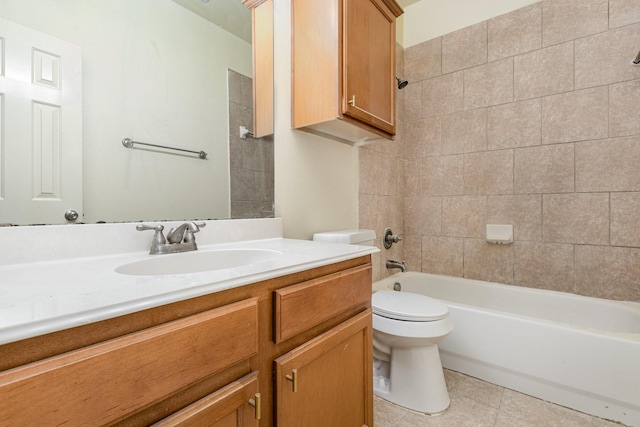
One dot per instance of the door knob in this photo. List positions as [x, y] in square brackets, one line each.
[71, 215]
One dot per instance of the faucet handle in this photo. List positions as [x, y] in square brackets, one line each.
[188, 235]
[158, 237]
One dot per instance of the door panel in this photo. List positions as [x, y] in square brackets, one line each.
[40, 127]
[369, 63]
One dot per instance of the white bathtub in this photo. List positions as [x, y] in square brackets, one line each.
[579, 352]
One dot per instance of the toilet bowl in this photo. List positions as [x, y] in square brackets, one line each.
[407, 369]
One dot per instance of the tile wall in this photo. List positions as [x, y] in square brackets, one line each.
[251, 160]
[531, 118]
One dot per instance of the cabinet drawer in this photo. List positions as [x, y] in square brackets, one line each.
[303, 306]
[106, 382]
[228, 406]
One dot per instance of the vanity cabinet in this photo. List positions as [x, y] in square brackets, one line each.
[210, 360]
[343, 59]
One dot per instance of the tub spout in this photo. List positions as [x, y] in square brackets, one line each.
[397, 264]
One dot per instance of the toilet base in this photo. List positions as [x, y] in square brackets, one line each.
[420, 389]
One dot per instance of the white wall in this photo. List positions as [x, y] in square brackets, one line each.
[428, 19]
[141, 73]
[316, 180]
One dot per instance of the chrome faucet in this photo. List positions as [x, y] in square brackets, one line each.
[397, 264]
[179, 239]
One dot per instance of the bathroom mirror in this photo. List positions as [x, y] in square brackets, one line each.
[167, 72]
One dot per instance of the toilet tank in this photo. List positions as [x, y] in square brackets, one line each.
[353, 237]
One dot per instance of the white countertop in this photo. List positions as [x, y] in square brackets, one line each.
[46, 296]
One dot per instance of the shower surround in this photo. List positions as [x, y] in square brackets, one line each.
[531, 118]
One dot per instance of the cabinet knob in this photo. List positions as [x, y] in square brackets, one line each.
[294, 379]
[352, 101]
[255, 403]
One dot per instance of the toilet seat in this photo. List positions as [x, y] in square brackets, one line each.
[408, 306]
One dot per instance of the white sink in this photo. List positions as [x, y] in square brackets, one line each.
[197, 261]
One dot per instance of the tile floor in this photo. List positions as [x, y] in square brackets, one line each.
[477, 403]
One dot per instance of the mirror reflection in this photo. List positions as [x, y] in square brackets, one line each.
[155, 71]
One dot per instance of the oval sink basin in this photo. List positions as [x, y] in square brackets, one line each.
[197, 261]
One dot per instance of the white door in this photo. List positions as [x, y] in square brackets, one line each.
[40, 127]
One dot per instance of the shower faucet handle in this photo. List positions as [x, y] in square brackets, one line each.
[390, 238]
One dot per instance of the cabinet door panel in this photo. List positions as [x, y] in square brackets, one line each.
[106, 382]
[334, 378]
[369, 63]
[228, 407]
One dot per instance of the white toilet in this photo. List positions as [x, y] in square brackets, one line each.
[407, 369]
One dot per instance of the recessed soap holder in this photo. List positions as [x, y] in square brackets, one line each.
[501, 234]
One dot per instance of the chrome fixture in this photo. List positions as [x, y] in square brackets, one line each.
[128, 143]
[179, 239]
[402, 83]
[388, 238]
[397, 264]
[244, 133]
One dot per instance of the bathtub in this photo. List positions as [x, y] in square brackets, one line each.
[575, 351]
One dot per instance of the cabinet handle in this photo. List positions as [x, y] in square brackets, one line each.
[294, 379]
[255, 402]
[352, 101]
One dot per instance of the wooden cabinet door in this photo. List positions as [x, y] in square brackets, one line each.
[327, 381]
[236, 405]
[369, 34]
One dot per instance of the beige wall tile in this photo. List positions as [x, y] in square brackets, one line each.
[544, 265]
[485, 261]
[413, 102]
[412, 244]
[581, 218]
[442, 255]
[422, 215]
[575, 116]
[464, 132]
[514, 125]
[412, 182]
[608, 165]
[443, 176]
[422, 138]
[464, 216]
[608, 272]
[564, 20]
[544, 169]
[441, 95]
[516, 32]
[544, 72]
[625, 219]
[604, 58]
[377, 173]
[489, 172]
[488, 84]
[623, 12]
[464, 48]
[423, 61]
[367, 171]
[625, 108]
[524, 212]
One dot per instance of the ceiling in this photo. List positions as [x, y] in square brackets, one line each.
[230, 15]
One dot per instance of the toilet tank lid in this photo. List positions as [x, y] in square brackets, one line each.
[353, 236]
[408, 306]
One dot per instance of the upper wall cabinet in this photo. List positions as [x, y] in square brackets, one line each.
[343, 59]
